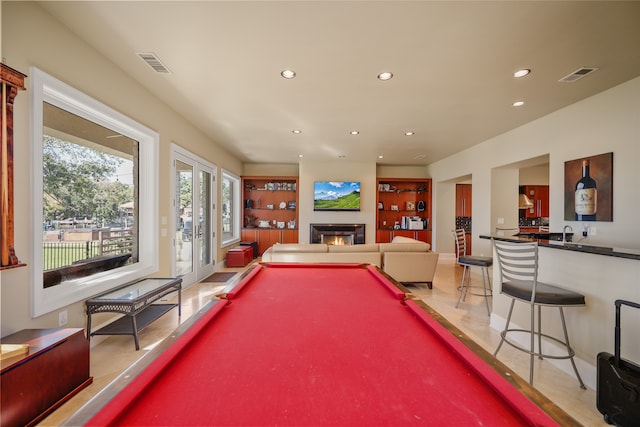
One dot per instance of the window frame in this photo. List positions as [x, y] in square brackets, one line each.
[46, 88]
[236, 211]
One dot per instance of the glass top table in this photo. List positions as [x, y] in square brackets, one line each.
[136, 301]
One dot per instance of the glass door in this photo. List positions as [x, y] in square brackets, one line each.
[194, 239]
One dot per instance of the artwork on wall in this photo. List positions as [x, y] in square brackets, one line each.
[588, 188]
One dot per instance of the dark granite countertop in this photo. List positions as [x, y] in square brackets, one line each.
[571, 246]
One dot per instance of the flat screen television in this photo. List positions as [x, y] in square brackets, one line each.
[336, 196]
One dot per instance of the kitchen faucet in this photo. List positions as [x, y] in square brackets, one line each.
[564, 232]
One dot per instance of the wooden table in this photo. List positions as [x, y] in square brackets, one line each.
[134, 300]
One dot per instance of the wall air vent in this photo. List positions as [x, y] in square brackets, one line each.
[154, 62]
[577, 74]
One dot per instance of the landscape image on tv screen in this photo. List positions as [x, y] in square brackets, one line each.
[336, 196]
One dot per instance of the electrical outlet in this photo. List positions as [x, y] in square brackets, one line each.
[62, 318]
[592, 231]
[500, 221]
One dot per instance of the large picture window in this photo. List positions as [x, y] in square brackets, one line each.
[95, 206]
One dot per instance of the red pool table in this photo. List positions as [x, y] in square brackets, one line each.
[321, 344]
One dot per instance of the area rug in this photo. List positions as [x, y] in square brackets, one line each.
[219, 277]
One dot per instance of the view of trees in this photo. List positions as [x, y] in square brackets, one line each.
[77, 183]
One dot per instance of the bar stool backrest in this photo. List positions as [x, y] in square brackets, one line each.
[518, 265]
[461, 242]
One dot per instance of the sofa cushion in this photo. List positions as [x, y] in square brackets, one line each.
[369, 247]
[299, 247]
[403, 239]
[328, 257]
[416, 246]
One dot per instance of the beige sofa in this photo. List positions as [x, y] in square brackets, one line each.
[406, 260]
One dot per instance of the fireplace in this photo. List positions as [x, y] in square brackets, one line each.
[337, 234]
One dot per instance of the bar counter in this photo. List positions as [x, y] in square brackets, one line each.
[572, 246]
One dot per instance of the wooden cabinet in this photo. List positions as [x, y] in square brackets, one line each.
[270, 210]
[54, 369]
[539, 195]
[399, 198]
[463, 200]
[268, 237]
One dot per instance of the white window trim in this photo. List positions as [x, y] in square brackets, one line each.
[236, 208]
[179, 153]
[46, 88]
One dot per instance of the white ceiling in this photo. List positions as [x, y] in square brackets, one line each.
[452, 61]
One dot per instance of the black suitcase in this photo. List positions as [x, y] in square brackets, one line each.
[618, 387]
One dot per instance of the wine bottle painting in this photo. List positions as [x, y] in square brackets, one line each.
[588, 188]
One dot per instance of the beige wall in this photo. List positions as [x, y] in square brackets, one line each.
[30, 37]
[604, 123]
[607, 122]
[340, 171]
[535, 175]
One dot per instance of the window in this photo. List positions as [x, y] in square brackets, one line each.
[95, 207]
[230, 208]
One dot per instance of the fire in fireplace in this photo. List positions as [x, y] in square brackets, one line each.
[337, 234]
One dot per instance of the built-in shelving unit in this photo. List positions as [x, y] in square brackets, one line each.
[404, 209]
[270, 210]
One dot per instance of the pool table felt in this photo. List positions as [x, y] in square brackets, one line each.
[319, 346]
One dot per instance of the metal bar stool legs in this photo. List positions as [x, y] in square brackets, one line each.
[533, 333]
[465, 285]
[468, 261]
[518, 264]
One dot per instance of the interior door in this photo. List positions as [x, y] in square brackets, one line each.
[194, 239]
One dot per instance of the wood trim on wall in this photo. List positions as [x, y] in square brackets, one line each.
[12, 81]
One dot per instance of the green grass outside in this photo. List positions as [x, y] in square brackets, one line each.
[349, 201]
[57, 255]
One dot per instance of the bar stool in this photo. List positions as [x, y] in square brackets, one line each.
[468, 261]
[518, 266]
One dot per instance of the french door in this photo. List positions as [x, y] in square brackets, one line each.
[194, 216]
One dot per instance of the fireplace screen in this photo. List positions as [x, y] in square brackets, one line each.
[337, 234]
[337, 240]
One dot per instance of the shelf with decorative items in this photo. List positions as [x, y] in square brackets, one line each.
[270, 210]
[404, 209]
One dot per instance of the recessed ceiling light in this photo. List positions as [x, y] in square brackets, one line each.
[301, 155]
[296, 131]
[409, 133]
[354, 132]
[521, 73]
[518, 104]
[288, 74]
[381, 157]
[342, 156]
[385, 76]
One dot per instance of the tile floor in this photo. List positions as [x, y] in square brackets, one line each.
[112, 355]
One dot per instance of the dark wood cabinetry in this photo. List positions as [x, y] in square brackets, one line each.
[403, 198]
[463, 200]
[539, 195]
[54, 369]
[270, 210]
[268, 237]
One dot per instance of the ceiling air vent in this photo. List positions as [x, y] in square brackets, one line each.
[154, 62]
[577, 74]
